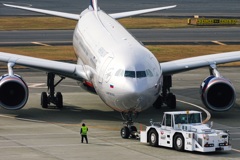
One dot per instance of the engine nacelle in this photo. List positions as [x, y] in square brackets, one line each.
[217, 93]
[13, 92]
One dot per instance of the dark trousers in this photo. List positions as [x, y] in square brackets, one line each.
[84, 136]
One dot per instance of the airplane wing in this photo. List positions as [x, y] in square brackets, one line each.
[138, 12]
[54, 13]
[177, 66]
[76, 16]
[65, 69]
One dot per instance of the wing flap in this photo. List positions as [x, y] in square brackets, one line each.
[177, 66]
[65, 69]
[138, 12]
[53, 13]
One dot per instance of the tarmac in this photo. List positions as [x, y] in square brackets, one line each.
[177, 36]
[52, 134]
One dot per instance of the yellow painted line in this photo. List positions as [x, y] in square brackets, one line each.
[208, 114]
[220, 43]
[41, 44]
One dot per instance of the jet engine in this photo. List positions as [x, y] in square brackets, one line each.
[217, 93]
[13, 92]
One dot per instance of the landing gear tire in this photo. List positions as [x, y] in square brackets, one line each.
[153, 138]
[125, 132]
[59, 100]
[178, 142]
[129, 130]
[171, 101]
[50, 97]
[44, 100]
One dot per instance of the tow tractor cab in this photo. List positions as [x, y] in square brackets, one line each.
[184, 130]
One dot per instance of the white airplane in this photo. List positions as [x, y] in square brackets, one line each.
[118, 68]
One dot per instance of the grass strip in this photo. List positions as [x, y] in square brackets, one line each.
[61, 53]
[35, 23]
[41, 23]
[162, 52]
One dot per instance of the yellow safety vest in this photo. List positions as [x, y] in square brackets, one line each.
[84, 130]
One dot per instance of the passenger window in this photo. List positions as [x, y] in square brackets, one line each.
[141, 74]
[130, 74]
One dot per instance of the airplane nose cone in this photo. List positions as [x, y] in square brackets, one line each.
[135, 95]
[135, 87]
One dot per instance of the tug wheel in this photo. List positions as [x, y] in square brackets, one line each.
[178, 142]
[153, 138]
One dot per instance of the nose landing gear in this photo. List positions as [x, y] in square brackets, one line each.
[128, 130]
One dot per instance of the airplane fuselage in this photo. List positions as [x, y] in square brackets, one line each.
[125, 74]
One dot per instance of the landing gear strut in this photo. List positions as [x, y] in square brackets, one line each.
[57, 99]
[129, 130]
[166, 96]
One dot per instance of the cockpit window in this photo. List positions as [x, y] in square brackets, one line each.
[134, 74]
[130, 74]
[141, 74]
[119, 73]
[149, 73]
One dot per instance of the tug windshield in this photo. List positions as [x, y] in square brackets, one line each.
[187, 118]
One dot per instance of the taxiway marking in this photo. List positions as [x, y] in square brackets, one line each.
[37, 85]
[236, 150]
[43, 85]
[41, 44]
[220, 43]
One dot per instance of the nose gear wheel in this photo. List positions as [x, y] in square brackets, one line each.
[128, 130]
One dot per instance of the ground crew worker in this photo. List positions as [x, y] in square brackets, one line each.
[83, 132]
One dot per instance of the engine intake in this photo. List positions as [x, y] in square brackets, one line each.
[13, 92]
[217, 93]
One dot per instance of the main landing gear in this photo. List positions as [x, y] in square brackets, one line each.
[50, 97]
[128, 130]
[166, 96]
